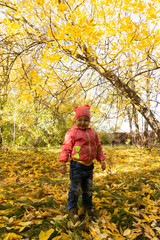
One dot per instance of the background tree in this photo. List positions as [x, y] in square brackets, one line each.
[5, 68]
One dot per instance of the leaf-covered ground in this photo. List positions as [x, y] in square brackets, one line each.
[33, 197]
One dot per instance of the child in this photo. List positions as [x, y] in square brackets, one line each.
[83, 146]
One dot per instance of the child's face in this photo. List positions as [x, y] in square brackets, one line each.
[83, 122]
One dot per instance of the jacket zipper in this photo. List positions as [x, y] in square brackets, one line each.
[89, 145]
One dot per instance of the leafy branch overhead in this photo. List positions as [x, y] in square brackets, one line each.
[55, 51]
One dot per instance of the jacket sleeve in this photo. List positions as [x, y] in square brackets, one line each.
[100, 156]
[67, 146]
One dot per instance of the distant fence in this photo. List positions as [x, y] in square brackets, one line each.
[142, 138]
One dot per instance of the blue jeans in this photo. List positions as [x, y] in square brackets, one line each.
[81, 177]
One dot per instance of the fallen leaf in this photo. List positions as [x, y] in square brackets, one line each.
[45, 235]
[127, 232]
[12, 236]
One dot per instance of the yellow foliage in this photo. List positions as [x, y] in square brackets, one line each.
[45, 235]
[127, 232]
[40, 2]
[12, 236]
[58, 31]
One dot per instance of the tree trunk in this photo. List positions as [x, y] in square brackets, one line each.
[1, 126]
[146, 139]
[137, 137]
[130, 121]
[129, 114]
[1, 137]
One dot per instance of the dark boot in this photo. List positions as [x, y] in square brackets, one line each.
[74, 213]
[92, 213]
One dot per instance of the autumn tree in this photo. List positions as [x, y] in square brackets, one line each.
[77, 39]
[6, 59]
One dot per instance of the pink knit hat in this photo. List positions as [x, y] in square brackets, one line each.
[82, 111]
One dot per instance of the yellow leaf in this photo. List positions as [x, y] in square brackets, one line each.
[137, 107]
[122, 115]
[84, 234]
[134, 235]
[59, 217]
[104, 235]
[40, 2]
[94, 230]
[21, 229]
[56, 211]
[148, 230]
[117, 236]
[12, 236]
[45, 235]
[146, 217]
[65, 236]
[26, 96]
[57, 238]
[115, 211]
[25, 224]
[70, 224]
[158, 229]
[62, 7]
[127, 232]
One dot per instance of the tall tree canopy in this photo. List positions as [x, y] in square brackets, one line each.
[61, 51]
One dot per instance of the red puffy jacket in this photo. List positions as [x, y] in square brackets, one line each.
[82, 146]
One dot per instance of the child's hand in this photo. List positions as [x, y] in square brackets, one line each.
[103, 165]
[63, 169]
